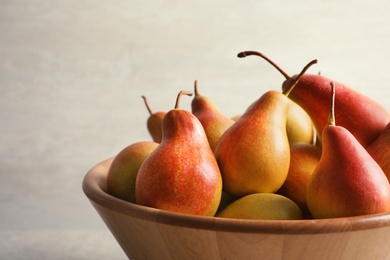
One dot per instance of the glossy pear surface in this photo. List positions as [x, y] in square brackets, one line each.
[181, 175]
[124, 168]
[380, 151]
[362, 116]
[253, 154]
[214, 122]
[347, 181]
[304, 158]
[299, 125]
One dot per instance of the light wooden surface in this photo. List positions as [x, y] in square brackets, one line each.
[72, 74]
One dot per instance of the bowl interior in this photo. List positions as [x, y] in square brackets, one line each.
[95, 188]
[148, 233]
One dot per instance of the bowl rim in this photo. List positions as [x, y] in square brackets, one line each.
[95, 188]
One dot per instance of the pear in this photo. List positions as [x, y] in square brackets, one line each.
[354, 109]
[264, 206]
[254, 153]
[299, 125]
[304, 158]
[300, 128]
[347, 181]
[380, 150]
[124, 169]
[214, 122]
[154, 122]
[182, 174]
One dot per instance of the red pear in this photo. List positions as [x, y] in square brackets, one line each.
[380, 150]
[181, 174]
[124, 169]
[347, 181]
[354, 109]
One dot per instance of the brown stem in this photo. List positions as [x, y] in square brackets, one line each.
[248, 53]
[331, 119]
[287, 91]
[196, 88]
[179, 95]
[147, 105]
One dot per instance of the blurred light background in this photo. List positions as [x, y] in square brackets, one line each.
[72, 74]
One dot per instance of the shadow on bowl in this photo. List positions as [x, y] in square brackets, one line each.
[148, 233]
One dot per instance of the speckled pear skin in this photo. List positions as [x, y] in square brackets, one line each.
[214, 122]
[182, 174]
[254, 153]
[380, 150]
[347, 181]
[362, 116]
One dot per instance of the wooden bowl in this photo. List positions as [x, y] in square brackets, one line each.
[148, 233]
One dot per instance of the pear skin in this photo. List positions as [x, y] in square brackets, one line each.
[380, 150]
[254, 154]
[304, 158]
[214, 122]
[182, 174]
[347, 181]
[124, 168]
[154, 123]
[262, 206]
[354, 109]
[299, 125]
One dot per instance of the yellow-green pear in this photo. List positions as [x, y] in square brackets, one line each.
[299, 125]
[262, 206]
[124, 168]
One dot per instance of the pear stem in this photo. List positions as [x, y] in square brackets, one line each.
[248, 53]
[290, 88]
[331, 119]
[196, 88]
[179, 95]
[147, 105]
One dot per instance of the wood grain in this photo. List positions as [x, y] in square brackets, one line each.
[146, 233]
